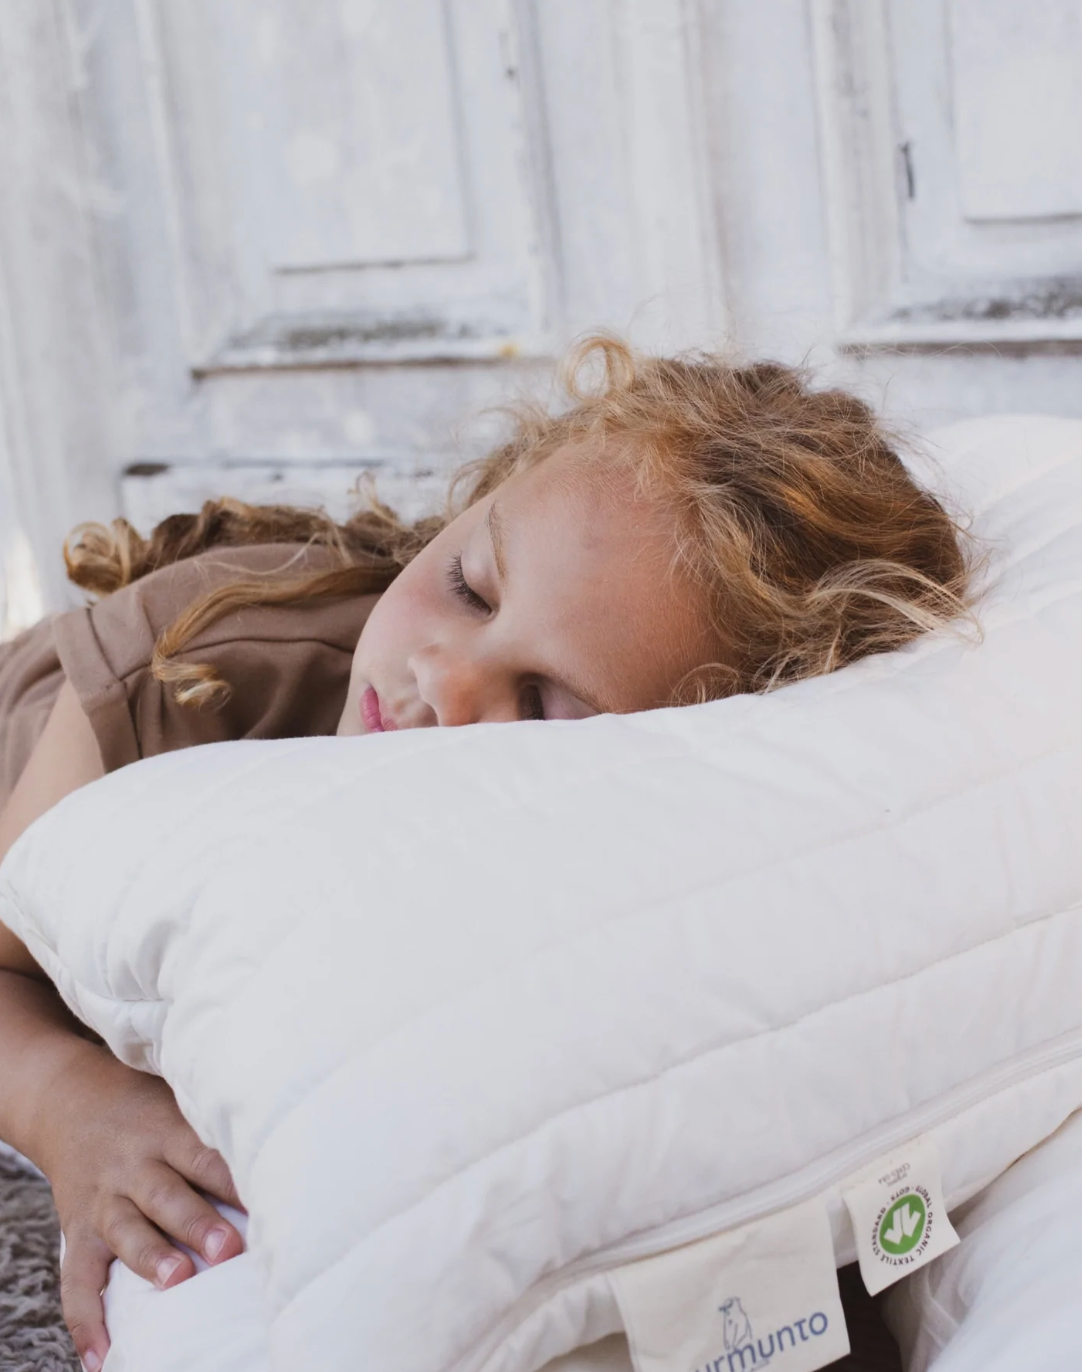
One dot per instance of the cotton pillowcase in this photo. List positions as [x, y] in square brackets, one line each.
[480, 1016]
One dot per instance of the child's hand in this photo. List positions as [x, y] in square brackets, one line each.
[123, 1164]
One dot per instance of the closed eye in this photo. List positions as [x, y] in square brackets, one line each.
[533, 705]
[462, 588]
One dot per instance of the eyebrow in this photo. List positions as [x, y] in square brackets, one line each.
[494, 524]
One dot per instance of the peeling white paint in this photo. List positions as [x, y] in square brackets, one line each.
[312, 157]
[359, 430]
[358, 16]
[268, 38]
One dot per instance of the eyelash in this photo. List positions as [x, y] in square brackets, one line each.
[462, 588]
[533, 705]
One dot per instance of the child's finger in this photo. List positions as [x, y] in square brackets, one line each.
[203, 1167]
[143, 1248]
[169, 1201]
[82, 1279]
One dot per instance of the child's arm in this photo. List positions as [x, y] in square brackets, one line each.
[122, 1160]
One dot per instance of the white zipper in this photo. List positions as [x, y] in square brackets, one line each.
[836, 1166]
[791, 1190]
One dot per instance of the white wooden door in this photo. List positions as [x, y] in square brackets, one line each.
[258, 245]
[320, 234]
[953, 138]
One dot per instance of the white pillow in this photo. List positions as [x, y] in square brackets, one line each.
[1010, 1295]
[478, 1015]
[217, 1323]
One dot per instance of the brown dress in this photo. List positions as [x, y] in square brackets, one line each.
[288, 665]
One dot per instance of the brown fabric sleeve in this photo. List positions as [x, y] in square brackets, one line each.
[101, 692]
[288, 666]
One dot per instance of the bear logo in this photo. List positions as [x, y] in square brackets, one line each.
[737, 1325]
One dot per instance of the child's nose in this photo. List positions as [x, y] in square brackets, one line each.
[456, 687]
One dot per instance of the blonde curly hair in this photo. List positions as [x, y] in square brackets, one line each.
[812, 544]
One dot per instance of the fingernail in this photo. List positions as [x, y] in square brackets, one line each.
[91, 1361]
[214, 1244]
[166, 1269]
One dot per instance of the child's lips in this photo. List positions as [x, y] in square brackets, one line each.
[371, 713]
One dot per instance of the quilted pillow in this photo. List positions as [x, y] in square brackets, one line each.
[478, 1016]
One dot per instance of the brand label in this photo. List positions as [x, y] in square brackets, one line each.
[899, 1216]
[762, 1296]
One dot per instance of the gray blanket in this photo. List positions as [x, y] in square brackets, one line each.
[32, 1333]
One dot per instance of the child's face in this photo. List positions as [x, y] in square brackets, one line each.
[554, 598]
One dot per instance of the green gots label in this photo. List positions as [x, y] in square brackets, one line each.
[903, 1225]
[899, 1215]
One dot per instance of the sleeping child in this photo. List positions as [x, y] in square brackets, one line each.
[683, 529]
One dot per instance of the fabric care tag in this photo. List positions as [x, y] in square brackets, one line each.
[899, 1216]
[764, 1294]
